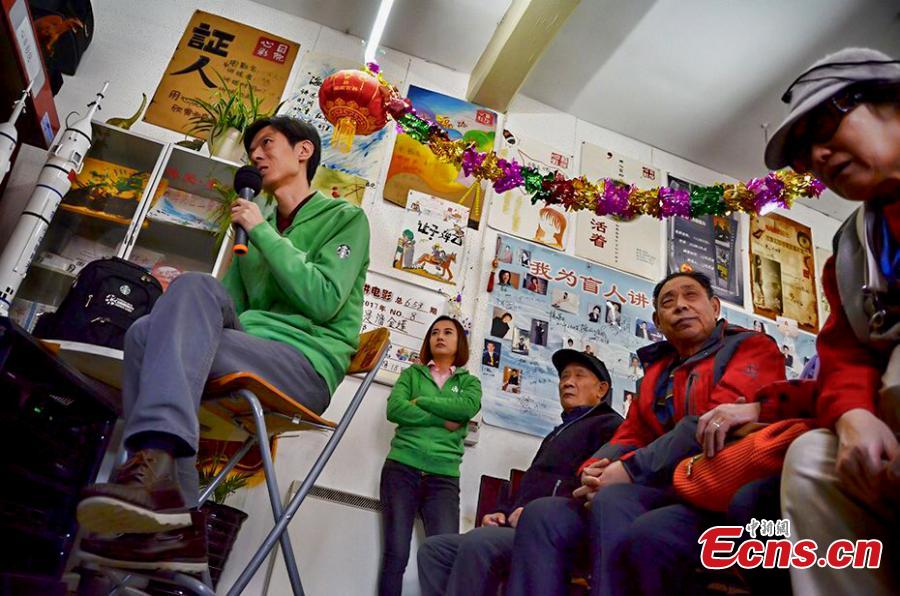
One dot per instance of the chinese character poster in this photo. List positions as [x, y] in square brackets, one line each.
[782, 271]
[432, 239]
[213, 47]
[544, 300]
[512, 211]
[708, 244]
[343, 170]
[406, 311]
[414, 167]
[633, 246]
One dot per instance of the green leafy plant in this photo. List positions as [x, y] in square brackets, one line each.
[230, 484]
[230, 107]
[222, 215]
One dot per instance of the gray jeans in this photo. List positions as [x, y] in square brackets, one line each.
[192, 335]
[470, 564]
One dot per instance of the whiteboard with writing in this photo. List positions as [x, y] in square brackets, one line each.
[406, 311]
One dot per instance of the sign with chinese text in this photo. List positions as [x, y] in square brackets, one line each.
[432, 237]
[512, 211]
[406, 311]
[782, 271]
[708, 244]
[544, 300]
[364, 159]
[212, 47]
[633, 246]
[415, 167]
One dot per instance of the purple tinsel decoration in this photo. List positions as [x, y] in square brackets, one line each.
[471, 160]
[615, 198]
[817, 187]
[512, 176]
[766, 191]
[373, 66]
[674, 202]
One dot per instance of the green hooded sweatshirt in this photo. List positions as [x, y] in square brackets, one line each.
[421, 441]
[305, 287]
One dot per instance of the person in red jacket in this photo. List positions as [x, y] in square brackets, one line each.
[842, 481]
[626, 487]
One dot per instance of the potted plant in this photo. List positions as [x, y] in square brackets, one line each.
[222, 521]
[225, 117]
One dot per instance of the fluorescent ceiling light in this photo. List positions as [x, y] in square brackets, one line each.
[377, 29]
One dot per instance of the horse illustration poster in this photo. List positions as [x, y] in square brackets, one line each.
[512, 212]
[415, 167]
[343, 170]
[432, 238]
[635, 245]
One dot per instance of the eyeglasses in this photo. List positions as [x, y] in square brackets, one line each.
[820, 124]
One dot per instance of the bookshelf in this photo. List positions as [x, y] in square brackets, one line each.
[152, 203]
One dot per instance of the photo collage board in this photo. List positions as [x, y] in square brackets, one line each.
[542, 301]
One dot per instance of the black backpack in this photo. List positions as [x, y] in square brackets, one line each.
[106, 298]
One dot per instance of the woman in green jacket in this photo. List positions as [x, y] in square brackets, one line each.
[430, 404]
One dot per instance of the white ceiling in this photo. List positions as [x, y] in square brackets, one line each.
[448, 32]
[697, 78]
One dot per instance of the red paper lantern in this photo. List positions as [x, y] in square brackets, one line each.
[354, 102]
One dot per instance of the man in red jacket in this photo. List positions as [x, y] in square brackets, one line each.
[704, 363]
[842, 482]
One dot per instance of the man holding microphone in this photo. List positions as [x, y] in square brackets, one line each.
[288, 311]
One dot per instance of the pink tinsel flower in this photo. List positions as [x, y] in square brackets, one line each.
[766, 192]
[615, 198]
[512, 176]
[674, 202]
[471, 160]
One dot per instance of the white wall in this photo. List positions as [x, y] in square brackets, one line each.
[133, 43]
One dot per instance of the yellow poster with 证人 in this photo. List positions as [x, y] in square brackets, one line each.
[215, 52]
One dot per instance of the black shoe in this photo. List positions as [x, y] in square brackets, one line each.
[142, 497]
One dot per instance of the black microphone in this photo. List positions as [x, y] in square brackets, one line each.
[247, 183]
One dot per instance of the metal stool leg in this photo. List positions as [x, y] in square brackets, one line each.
[262, 438]
[291, 509]
[208, 491]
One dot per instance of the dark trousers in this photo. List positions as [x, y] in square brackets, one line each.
[405, 492]
[760, 499]
[470, 564]
[630, 530]
[191, 335]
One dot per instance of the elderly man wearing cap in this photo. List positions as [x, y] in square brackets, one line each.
[625, 506]
[843, 481]
[477, 561]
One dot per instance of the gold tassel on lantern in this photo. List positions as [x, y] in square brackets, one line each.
[342, 137]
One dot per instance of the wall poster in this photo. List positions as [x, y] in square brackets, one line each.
[212, 47]
[822, 256]
[406, 311]
[633, 246]
[796, 346]
[708, 244]
[782, 271]
[512, 211]
[432, 239]
[545, 300]
[341, 173]
[415, 167]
